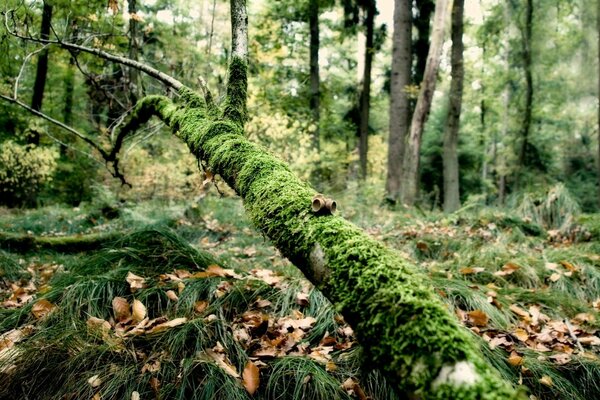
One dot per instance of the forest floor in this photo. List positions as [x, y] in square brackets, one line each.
[190, 302]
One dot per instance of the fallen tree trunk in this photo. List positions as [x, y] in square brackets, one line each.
[64, 244]
[403, 326]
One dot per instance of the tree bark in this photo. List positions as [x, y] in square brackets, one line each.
[450, 154]
[598, 29]
[527, 36]
[410, 186]
[133, 73]
[399, 101]
[315, 91]
[422, 21]
[365, 94]
[41, 70]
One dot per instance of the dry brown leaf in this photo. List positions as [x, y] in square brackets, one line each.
[223, 362]
[507, 269]
[251, 377]
[262, 303]
[172, 295]
[521, 334]
[95, 381]
[98, 325]
[200, 306]
[546, 380]
[478, 318]
[121, 308]
[302, 299]
[589, 340]
[519, 311]
[135, 282]
[169, 324]
[330, 366]
[151, 366]
[41, 308]
[471, 270]
[138, 311]
[561, 359]
[515, 359]
[135, 395]
[568, 266]
[555, 276]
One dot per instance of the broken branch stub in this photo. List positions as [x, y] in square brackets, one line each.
[323, 205]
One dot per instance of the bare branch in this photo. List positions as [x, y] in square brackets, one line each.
[154, 73]
[25, 60]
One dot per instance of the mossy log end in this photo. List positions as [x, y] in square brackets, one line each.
[403, 326]
[64, 244]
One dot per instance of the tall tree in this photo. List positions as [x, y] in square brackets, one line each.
[450, 152]
[598, 31]
[526, 127]
[370, 9]
[422, 23]
[315, 90]
[41, 70]
[134, 76]
[399, 99]
[410, 184]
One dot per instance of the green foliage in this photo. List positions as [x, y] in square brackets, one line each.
[24, 171]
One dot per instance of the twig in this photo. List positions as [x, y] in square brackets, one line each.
[25, 60]
[572, 334]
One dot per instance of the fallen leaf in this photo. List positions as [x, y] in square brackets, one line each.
[555, 276]
[302, 299]
[478, 318]
[41, 308]
[589, 340]
[546, 380]
[172, 295]
[121, 308]
[169, 324]
[135, 282]
[507, 269]
[519, 311]
[515, 359]
[135, 395]
[251, 377]
[138, 311]
[223, 362]
[561, 359]
[471, 270]
[521, 334]
[200, 306]
[95, 381]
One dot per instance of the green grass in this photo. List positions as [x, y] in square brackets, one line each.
[59, 357]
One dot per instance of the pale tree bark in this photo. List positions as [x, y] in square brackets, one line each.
[526, 127]
[315, 89]
[365, 93]
[598, 28]
[399, 101]
[403, 326]
[450, 152]
[410, 181]
[41, 70]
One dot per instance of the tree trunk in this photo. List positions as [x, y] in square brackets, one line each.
[422, 21]
[41, 71]
[399, 101]
[365, 94]
[598, 28]
[315, 91]
[410, 186]
[527, 36]
[133, 73]
[450, 155]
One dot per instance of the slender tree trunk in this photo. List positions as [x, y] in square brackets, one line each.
[410, 186]
[422, 21]
[42, 69]
[399, 101]
[365, 94]
[134, 74]
[598, 28]
[315, 90]
[450, 154]
[527, 36]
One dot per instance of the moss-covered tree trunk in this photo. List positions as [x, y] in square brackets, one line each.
[404, 328]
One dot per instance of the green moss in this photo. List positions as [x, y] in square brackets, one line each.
[234, 108]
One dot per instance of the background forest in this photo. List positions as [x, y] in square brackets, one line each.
[462, 134]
